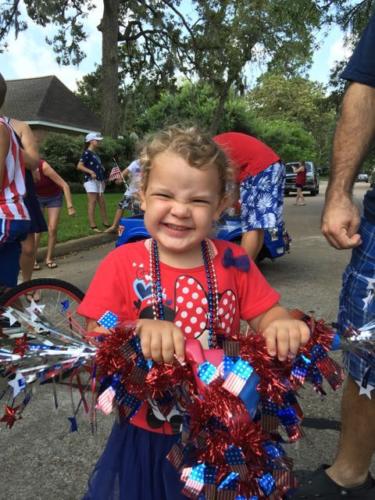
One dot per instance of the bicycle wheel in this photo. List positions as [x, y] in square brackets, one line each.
[55, 301]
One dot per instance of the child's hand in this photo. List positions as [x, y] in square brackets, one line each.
[285, 336]
[161, 340]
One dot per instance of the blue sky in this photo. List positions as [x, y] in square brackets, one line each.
[29, 56]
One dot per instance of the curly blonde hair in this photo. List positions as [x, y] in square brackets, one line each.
[195, 146]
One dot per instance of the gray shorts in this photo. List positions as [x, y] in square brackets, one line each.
[51, 201]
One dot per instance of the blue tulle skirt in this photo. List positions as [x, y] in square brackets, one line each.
[134, 466]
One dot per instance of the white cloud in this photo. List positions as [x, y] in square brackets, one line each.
[29, 55]
[338, 51]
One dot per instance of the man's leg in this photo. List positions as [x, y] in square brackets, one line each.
[252, 242]
[357, 439]
[348, 475]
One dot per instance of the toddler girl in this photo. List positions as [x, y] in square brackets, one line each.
[176, 285]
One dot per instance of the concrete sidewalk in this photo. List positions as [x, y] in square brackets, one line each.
[77, 245]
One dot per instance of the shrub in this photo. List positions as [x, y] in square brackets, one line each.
[63, 152]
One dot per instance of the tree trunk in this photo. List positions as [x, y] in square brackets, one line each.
[110, 79]
[218, 114]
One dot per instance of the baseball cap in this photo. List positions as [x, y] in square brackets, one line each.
[93, 136]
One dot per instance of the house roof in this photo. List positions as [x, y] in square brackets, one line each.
[47, 101]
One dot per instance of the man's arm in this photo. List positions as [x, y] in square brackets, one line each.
[4, 148]
[29, 145]
[354, 133]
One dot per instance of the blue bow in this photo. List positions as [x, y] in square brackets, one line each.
[242, 262]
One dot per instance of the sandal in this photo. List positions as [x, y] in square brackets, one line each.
[36, 267]
[320, 485]
[33, 296]
[51, 264]
[95, 229]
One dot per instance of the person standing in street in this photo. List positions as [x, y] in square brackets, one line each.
[261, 177]
[300, 182]
[349, 475]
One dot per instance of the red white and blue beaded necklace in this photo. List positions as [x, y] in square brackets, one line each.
[212, 291]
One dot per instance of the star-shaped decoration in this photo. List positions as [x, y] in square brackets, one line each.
[368, 299]
[34, 307]
[73, 424]
[65, 305]
[8, 314]
[17, 384]
[9, 416]
[365, 390]
[21, 346]
[370, 283]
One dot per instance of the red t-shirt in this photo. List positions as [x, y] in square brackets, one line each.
[45, 186]
[301, 177]
[249, 155]
[122, 285]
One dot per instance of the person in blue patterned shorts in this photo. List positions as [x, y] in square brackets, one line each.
[341, 224]
[261, 176]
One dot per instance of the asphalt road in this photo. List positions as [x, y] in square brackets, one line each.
[41, 460]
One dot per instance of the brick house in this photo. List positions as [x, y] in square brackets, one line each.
[47, 105]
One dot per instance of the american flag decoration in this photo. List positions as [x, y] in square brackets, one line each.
[176, 455]
[105, 401]
[267, 483]
[236, 461]
[115, 174]
[300, 369]
[108, 320]
[236, 380]
[207, 372]
[327, 366]
[227, 487]
[195, 482]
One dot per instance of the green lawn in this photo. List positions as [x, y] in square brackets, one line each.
[75, 227]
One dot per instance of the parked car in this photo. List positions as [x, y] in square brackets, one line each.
[363, 177]
[276, 241]
[312, 178]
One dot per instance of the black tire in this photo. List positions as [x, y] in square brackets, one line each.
[39, 284]
[314, 192]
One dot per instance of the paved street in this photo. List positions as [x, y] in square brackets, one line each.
[42, 460]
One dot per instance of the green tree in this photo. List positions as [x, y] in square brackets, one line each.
[353, 18]
[196, 104]
[147, 31]
[289, 139]
[217, 41]
[299, 100]
[231, 35]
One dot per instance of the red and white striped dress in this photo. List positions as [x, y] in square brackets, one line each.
[13, 188]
